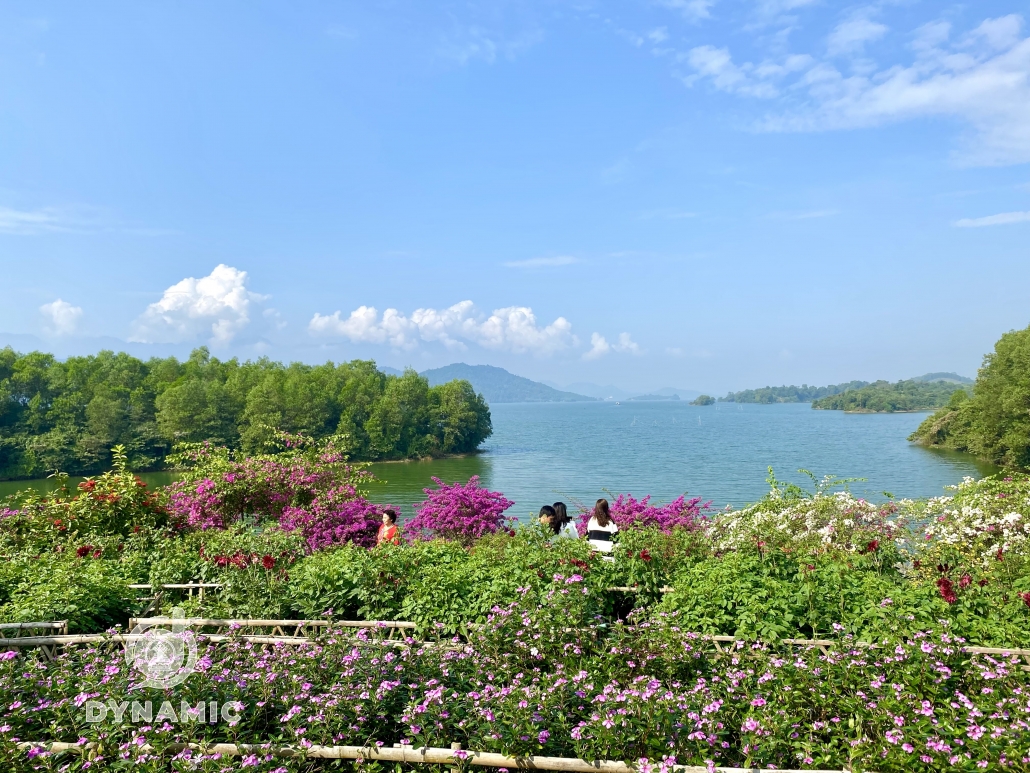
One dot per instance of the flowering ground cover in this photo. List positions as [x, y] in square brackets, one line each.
[529, 683]
[522, 645]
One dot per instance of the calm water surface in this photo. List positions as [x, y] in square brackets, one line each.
[576, 452]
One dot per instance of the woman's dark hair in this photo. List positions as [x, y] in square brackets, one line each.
[391, 514]
[562, 512]
[602, 514]
[555, 523]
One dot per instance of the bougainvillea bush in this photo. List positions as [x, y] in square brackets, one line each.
[459, 511]
[528, 682]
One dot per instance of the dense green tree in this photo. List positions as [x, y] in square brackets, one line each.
[67, 415]
[994, 423]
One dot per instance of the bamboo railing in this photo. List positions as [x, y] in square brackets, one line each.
[422, 755]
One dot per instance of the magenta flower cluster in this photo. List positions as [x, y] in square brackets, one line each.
[627, 511]
[459, 511]
[335, 519]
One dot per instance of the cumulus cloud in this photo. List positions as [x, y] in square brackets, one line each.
[599, 346]
[218, 305]
[1005, 218]
[513, 328]
[62, 316]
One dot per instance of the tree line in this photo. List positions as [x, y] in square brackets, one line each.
[67, 415]
[885, 397]
[993, 423]
[790, 394]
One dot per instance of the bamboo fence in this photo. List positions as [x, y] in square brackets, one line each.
[422, 755]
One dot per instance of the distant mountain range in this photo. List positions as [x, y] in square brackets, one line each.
[499, 386]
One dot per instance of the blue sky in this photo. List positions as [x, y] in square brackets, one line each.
[710, 194]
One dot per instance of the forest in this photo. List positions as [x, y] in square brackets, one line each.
[993, 423]
[68, 415]
[885, 397]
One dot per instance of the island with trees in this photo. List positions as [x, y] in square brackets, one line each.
[789, 394]
[67, 415]
[885, 397]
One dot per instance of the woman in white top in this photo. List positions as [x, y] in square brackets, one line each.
[566, 528]
[601, 528]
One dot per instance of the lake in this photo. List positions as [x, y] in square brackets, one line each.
[577, 452]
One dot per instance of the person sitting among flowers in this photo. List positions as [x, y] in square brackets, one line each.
[389, 531]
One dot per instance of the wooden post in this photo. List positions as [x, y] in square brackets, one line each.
[456, 747]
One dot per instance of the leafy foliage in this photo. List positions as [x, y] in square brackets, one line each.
[68, 415]
[994, 423]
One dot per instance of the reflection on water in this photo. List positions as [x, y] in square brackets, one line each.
[577, 452]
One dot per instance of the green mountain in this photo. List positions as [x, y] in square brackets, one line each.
[953, 378]
[499, 386]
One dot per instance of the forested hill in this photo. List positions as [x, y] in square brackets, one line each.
[885, 397]
[67, 415]
[790, 394]
[499, 386]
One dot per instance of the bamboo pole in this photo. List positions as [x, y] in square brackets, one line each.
[421, 755]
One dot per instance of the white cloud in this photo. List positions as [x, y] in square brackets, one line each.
[14, 221]
[1005, 218]
[513, 328]
[598, 347]
[692, 10]
[478, 43]
[850, 37]
[674, 351]
[63, 317]
[560, 260]
[626, 344]
[987, 88]
[658, 35]
[218, 304]
[748, 79]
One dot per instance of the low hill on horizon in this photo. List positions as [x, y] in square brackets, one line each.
[953, 378]
[499, 386]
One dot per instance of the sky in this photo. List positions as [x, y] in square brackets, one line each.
[706, 194]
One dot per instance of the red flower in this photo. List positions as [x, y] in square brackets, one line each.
[644, 555]
[97, 553]
[873, 546]
[1026, 598]
[1000, 555]
[268, 562]
[965, 581]
[84, 551]
[916, 564]
[221, 560]
[982, 582]
[947, 590]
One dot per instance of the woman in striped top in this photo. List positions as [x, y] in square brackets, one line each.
[601, 529]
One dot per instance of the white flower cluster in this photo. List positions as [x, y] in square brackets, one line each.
[837, 520]
[986, 517]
